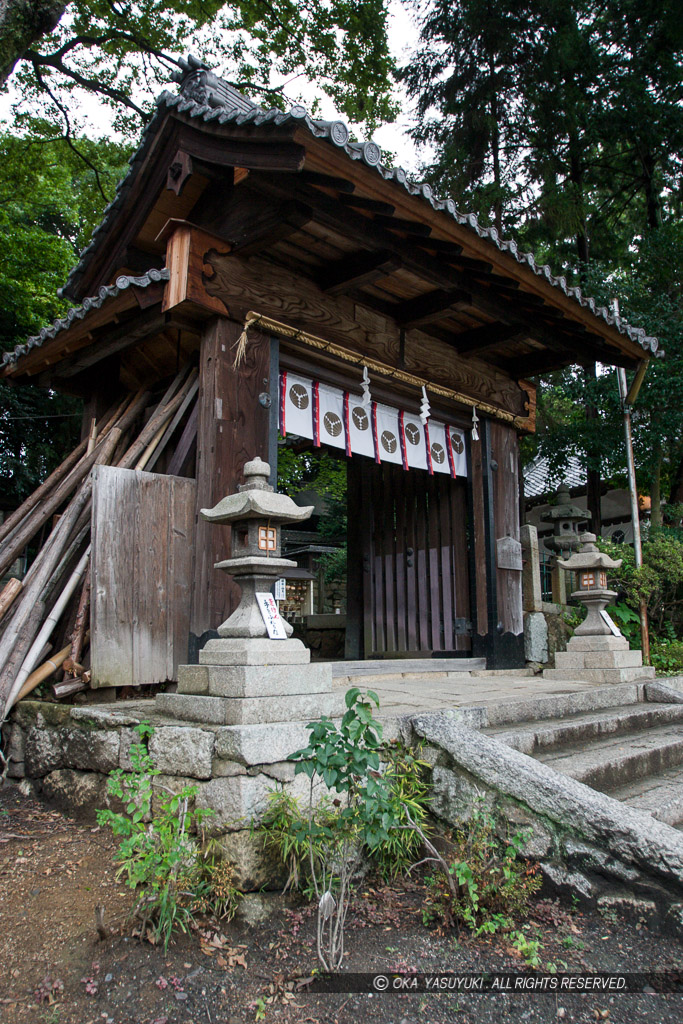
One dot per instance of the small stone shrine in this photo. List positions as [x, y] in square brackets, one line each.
[597, 652]
[245, 677]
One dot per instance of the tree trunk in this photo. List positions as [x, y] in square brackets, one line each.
[652, 200]
[22, 23]
[656, 495]
[495, 156]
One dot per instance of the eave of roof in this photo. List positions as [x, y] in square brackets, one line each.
[78, 313]
[223, 105]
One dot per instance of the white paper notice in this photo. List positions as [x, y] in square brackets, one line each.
[611, 623]
[271, 616]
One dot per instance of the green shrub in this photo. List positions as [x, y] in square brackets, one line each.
[284, 826]
[345, 758]
[489, 884]
[157, 857]
[667, 656]
[406, 776]
[285, 832]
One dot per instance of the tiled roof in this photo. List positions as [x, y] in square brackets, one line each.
[79, 312]
[538, 479]
[206, 98]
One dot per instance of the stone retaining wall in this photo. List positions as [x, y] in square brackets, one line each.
[64, 754]
[589, 846]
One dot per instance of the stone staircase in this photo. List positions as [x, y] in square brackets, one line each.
[628, 748]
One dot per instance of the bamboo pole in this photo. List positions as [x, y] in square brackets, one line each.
[39, 516]
[60, 472]
[54, 478]
[92, 436]
[160, 417]
[21, 631]
[151, 448]
[78, 635]
[42, 673]
[48, 625]
[9, 592]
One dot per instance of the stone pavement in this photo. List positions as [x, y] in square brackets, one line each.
[408, 693]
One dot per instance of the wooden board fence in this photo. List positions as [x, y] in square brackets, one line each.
[142, 543]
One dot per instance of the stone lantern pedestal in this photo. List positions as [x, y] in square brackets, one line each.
[244, 677]
[595, 653]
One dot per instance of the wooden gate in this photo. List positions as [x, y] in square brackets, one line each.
[415, 562]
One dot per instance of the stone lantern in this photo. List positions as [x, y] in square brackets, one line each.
[591, 567]
[565, 518]
[256, 514]
[597, 652]
[244, 678]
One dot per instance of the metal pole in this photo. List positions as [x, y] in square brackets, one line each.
[635, 515]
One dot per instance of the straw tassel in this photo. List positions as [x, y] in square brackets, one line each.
[241, 344]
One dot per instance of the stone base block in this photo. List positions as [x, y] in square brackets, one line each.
[250, 710]
[255, 867]
[572, 660]
[245, 651]
[598, 643]
[182, 750]
[254, 680]
[601, 675]
[260, 744]
[239, 801]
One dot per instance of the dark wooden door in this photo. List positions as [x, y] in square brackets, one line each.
[415, 563]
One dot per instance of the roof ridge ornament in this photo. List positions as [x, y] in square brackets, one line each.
[202, 85]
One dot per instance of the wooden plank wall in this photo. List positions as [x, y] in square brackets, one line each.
[506, 484]
[233, 427]
[142, 533]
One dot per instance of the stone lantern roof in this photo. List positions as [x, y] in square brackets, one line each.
[589, 557]
[256, 499]
[564, 508]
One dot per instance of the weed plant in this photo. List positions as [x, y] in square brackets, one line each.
[172, 877]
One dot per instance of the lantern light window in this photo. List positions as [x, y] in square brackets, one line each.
[267, 538]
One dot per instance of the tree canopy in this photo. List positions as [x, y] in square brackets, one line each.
[50, 201]
[122, 50]
[562, 123]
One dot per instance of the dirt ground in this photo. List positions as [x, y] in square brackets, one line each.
[55, 970]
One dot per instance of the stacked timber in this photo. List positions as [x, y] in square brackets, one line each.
[54, 595]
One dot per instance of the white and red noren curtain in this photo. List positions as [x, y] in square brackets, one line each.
[331, 416]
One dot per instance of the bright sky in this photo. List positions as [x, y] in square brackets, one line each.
[392, 137]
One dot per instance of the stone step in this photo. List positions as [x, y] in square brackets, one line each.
[405, 666]
[612, 762]
[532, 737]
[660, 795]
[559, 705]
[602, 675]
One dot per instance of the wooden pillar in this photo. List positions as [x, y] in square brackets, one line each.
[354, 645]
[236, 410]
[497, 548]
[477, 550]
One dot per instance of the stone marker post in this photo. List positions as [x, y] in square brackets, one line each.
[535, 625]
